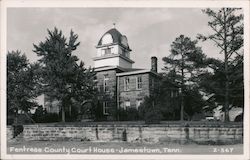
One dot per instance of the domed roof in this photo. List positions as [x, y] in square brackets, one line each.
[117, 37]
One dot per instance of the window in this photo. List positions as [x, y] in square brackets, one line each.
[107, 51]
[107, 39]
[96, 84]
[127, 104]
[173, 93]
[105, 83]
[152, 83]
[138, 103]
[126, 84]
[126, 54]
[105, 108]
[139, 83]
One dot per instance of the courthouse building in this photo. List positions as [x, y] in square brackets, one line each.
[121, 85]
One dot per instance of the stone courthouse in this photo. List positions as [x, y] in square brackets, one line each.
[121, 85]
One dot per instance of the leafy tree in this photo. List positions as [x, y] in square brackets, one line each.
[194, 102]
[168, 98]
[185, 64]
[22, 83]
[213, 83]
[227, 27]
[63, 79]
[150, 111]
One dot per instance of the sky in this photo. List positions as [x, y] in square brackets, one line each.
[150, 31]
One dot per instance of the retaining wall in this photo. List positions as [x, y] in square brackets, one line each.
[134, 133]
[10, 132]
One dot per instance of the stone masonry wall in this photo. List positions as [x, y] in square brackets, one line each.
[110, 95]
[134, 133]
[133, 94]
[10, 132]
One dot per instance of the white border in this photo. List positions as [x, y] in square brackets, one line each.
[125, 3]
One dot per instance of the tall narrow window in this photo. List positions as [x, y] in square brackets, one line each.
[139, 83]
[127, 104]
[138, 103]
[153, 83]
[105, 83]
[126, 84]
[105, 108]
[172, 94]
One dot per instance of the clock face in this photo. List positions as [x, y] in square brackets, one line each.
[124, 40]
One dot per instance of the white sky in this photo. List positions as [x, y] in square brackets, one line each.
[150, 31]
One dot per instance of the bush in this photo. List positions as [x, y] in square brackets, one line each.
[149, 111]
[47, 118]
[153, 116]
[239, 118]
[41, 116]
[17, 130]
[129, 114]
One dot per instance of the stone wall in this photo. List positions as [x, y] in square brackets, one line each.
[10, 132]
[108, 96]
[135, 133]
[133, 94]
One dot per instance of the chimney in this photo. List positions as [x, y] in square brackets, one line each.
[154, 64]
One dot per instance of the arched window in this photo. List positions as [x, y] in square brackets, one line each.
[107, 39]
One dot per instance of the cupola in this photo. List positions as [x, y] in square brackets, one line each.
[113, 50]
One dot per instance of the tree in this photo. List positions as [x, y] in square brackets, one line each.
[227, 27]
[184, 63]
[168, 97]
[194, 102]
[150, 111]
[213, 83]
[63, 79]
[22, 83]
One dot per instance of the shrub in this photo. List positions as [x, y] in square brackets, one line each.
[129, 114]
[153, 116]
[47, 118]
[149, 111]
[41, 116]
[239, 118]
[17, 130]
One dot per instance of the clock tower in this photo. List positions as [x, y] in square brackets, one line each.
[113, 50]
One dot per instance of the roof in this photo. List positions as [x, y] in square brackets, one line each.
[127, 71]
[116, 67]
[138, 71]
[116, 35]
[104, 68]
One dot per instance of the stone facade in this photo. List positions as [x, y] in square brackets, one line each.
[135, 94]
[112, 89]
[106, 84]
